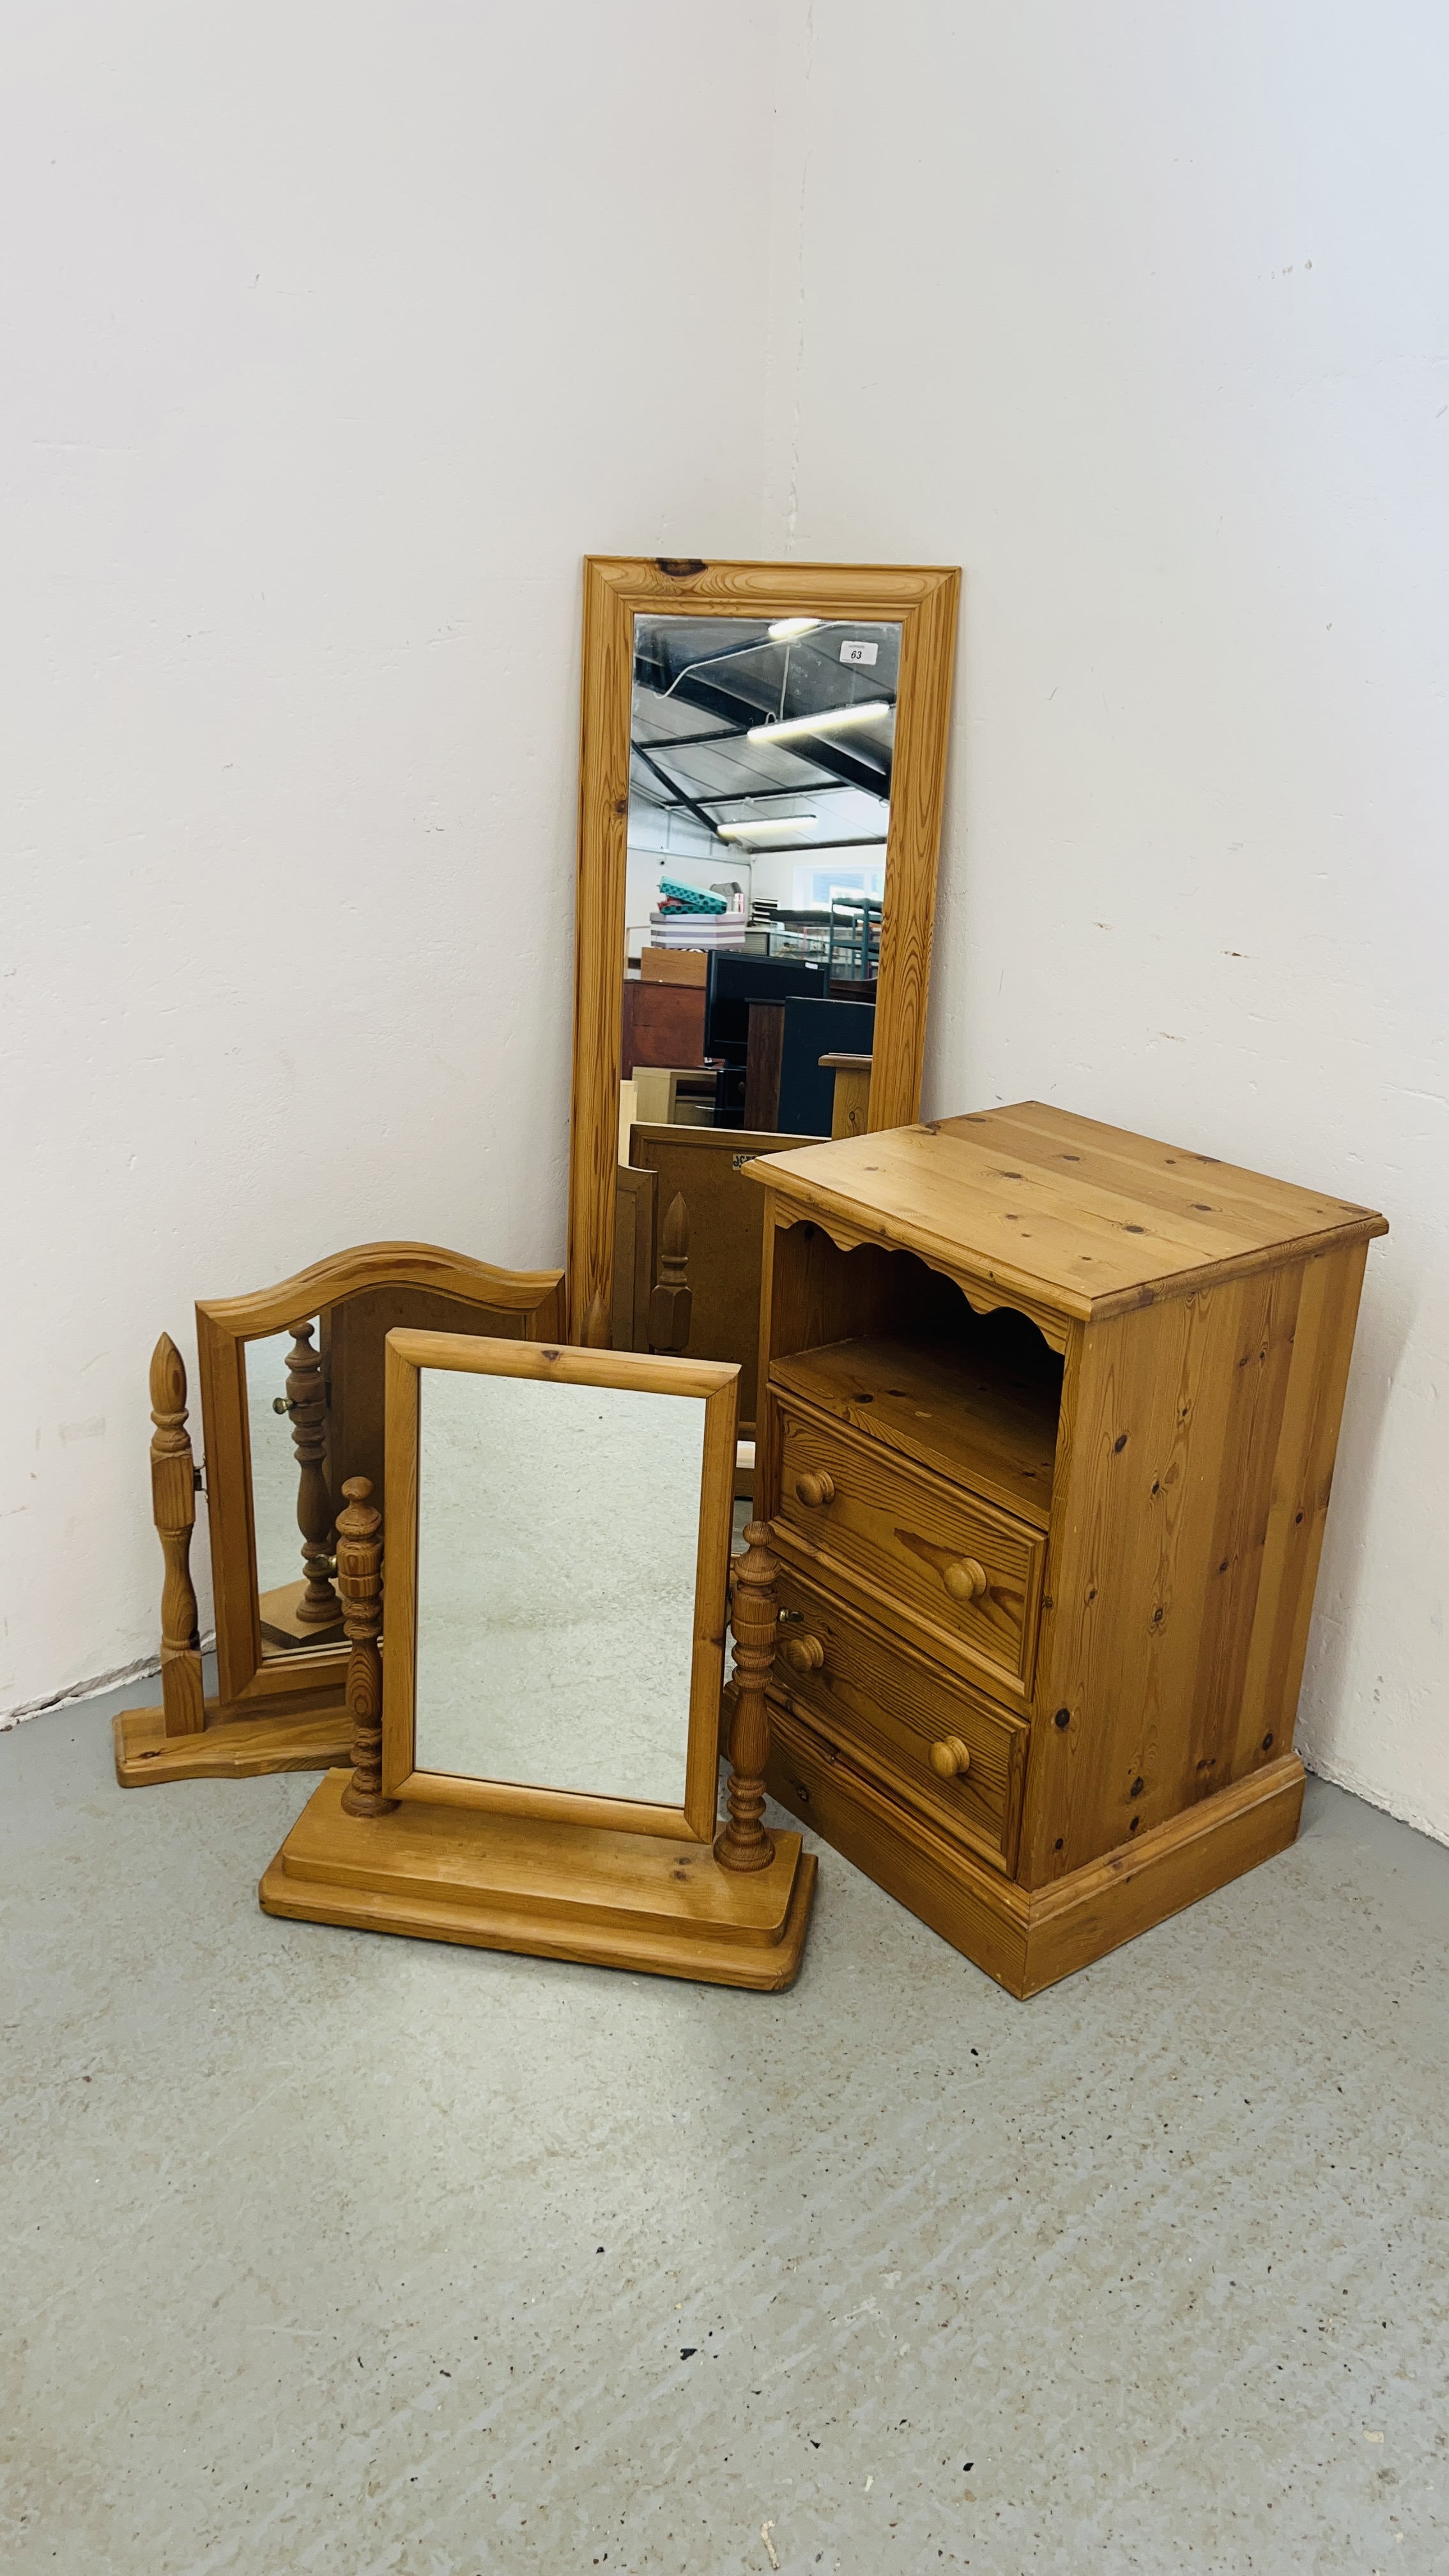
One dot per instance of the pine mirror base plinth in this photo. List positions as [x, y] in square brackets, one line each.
[550, 1891]
[227, 1748]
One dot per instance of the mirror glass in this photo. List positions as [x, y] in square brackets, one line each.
[315, 1410]
[292, 1514]
[759, 811]
[558, 1538]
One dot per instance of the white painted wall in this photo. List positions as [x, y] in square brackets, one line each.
[340, 339]
[332, 339]
[1141, 314]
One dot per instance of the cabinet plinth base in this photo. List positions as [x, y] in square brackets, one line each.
[227, 1748]
[601, 1899]
[1027, 1939]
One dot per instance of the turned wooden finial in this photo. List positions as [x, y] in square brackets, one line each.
[743, 1842]
[307, 1403]
[173, 1509]
[671, 1298]
[359, 1580]
[598, 1331]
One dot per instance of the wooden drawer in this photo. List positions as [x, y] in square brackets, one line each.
[887, 1709]
[971, 1573]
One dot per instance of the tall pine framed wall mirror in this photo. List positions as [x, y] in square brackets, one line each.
[762, 767]
[542, 1775]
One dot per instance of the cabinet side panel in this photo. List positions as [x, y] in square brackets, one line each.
[1302, 1479]
[1159, 1548]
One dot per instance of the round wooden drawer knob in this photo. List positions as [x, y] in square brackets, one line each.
[966, 1580]
[803, 1654]
[815, 1490]
[951, 1758]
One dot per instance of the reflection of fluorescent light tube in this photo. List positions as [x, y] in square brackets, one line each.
[829, 720]
[785, 628]
[759, 831]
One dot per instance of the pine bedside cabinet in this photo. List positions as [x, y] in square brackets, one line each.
[1046, 1437]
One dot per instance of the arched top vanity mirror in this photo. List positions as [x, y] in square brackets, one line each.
[762, 762]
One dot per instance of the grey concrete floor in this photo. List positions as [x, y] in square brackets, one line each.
[337, 2253]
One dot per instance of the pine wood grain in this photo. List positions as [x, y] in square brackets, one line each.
[717, 1382]
[937, 1401]
[1161, 1653]
[704, 1166]
[925, 600]
[903, 1535]
[1182, 1576]
[237, 1748]
[428, 1280]
[1040, 1204]
[875, 1699]
[550, 1890]
[173, 1509]
[1025, 1942]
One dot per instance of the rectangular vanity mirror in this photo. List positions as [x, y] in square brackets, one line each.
[761, 775]
[558, 1530]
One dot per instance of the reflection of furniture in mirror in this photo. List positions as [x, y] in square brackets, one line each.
[785, 1084]
[662, 1024]
[675, 966]
[529, 1796]
[676, 1095]
[855, 921]
[292, 1405]
[295, 1614]
[762, 761]
[670, 1301]
[734, 985]
[1047, 1445]
[850, 1099]
[724, 1222]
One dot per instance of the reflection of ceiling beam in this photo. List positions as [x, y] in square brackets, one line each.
[847, 762]
[757, 795]
[686, 741]
[811, 849]
[672, 784]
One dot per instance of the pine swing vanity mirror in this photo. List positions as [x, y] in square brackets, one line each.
[762, 764]
[543, 1774]
[291, 1407]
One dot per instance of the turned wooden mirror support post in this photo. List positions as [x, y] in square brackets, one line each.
[359, 1580]
[173, 1504]
[743, 1842]
[306, 1402]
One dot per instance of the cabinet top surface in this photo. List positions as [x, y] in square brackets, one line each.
[1084, 1217]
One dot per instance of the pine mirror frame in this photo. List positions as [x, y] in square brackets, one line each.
[925, 600]
[717, 1381]
[249, 1684]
